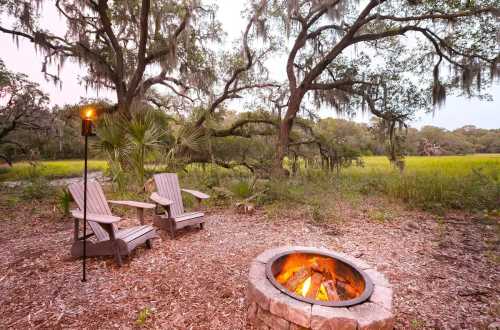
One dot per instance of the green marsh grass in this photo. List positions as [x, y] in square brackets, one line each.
[459, 182]
[469, 182]
[50, 169]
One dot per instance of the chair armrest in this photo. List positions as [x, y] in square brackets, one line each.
[139, 205]
[101, 218]
[161, 200]
[197, 194]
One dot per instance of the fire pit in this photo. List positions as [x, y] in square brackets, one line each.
[319, 278]
[311, 288]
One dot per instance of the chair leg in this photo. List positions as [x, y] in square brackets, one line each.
[172, 229]
[118, 256]
[114, 242]
[149, 244]
[202, 225]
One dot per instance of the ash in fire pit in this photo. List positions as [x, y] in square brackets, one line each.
[319, 278]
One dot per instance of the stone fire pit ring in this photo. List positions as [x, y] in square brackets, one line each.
[269, 308]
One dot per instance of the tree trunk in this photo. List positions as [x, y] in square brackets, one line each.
[284, 133]
[123, 104]
[282, 148]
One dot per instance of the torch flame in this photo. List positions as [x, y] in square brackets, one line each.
[89, 113]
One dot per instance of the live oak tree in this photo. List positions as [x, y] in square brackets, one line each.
[23, 107]
[126, 46]
[390, 57]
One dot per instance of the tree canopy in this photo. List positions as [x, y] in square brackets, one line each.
[126, 46]
[23, 107]
[351, 55]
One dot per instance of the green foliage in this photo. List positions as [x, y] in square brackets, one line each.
[434, 184]
[380, 215]
[431, 183]
[317, 212]
[12, 200]
[277, 191]
[417, 324]
[37, 186]
[50, 169]
[242, 188]
[127, 144]
[470, 183]
[64, 200]
[23, 112]
[144, 136]
[143, 316]
[119, 177]
[342, 142]
[186, 140]
[221, 196]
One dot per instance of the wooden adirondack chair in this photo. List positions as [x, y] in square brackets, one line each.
[168, 195]
[109, 240]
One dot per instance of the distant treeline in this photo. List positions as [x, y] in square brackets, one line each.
[342, 138]
[465, 140]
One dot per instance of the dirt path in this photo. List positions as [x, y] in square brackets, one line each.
[443, 272]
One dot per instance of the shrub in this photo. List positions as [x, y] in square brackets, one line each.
[64, 201]
[38, 186]
[242, 189]
[317, 212]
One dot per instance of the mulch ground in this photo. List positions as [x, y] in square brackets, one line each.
[445, 272]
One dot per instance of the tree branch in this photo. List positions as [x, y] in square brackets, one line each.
[102, 9]
[141, 56]
[442, 16]
[154, 56]
[240, 123]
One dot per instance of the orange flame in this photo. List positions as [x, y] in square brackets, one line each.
[88, 113]
[305, 287]
[303, 266]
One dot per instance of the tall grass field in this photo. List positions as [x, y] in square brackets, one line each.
[49, 169]
[469, 182]
[461, 182]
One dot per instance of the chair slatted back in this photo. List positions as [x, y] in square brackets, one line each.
[96, 204]
[168, 187]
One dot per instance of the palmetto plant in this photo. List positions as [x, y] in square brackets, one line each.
[112, 137]
[115, 145]
[127, 143]
[144, 136]
[187, 139]
[130, 142]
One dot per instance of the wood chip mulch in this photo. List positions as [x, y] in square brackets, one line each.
[445, 273]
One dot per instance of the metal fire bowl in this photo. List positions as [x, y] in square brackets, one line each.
[273, 266]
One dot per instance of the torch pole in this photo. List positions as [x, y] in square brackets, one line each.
[84, 278]
[87, 116]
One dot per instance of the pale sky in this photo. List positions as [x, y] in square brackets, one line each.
[457, 111]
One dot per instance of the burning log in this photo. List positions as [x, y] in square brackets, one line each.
[316, 267]
[319, 278]
[345, 290]
[297, 278]
[331, 290]
[316, 280]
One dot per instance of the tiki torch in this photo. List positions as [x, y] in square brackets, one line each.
[87, 114]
